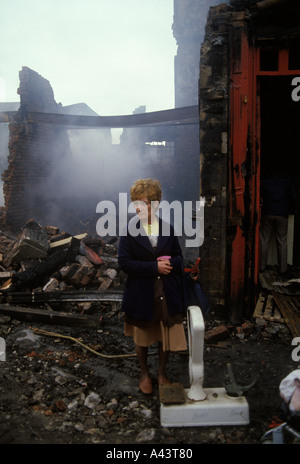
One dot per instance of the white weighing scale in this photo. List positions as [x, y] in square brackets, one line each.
[202, 406]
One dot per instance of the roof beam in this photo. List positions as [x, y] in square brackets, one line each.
[184, 115]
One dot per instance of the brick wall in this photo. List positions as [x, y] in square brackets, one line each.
[213, 94]
[33, 152]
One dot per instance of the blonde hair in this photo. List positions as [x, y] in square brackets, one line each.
[151, 188]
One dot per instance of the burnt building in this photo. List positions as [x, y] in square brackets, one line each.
[34, 150]
[238, 65]
[249, 114]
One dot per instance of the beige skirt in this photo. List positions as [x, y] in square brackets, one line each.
[172, 338]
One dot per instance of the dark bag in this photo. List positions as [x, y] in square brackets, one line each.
[194, 294]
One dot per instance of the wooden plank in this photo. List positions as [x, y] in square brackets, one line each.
[290, 311]
[49, 317]
[6, 274]
[66, 241]
[271, 311]
[265, 309]
[260, 306]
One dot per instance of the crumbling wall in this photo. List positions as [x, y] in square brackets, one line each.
[33, 151]
[213, 95]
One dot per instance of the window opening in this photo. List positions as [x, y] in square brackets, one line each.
[294, 54]
[268, 60]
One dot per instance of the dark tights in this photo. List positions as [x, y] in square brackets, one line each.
[142, 355]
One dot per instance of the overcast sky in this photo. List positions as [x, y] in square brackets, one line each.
[114, 55]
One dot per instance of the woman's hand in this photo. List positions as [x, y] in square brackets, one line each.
[164, 267]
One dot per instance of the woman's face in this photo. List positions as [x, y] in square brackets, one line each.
[143, 209]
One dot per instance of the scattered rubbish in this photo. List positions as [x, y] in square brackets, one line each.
[46, 275]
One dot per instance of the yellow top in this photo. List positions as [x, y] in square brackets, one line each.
[153, 228]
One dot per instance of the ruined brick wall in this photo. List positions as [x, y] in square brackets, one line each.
[33, 151]
[213, 94]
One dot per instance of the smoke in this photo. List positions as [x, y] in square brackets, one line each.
[92, 170]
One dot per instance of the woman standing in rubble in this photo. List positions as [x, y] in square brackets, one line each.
[152, 300]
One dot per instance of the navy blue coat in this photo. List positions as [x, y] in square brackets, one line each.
[138, 260]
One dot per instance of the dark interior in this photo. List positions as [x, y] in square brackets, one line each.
[280, 136]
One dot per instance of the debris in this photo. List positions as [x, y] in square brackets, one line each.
[32, 243]
[216, 334]
[105, 284]
[90, 254]
[245, 329]
[111, 273]
[34, 274]
[52, 285]
[266, 309]
[6, 274]
[92, 400]
[84, 261]
[51, 230]
[290, 309]
[65, 267]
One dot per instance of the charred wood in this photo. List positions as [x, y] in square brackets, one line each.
[35, 274]
[49, 316]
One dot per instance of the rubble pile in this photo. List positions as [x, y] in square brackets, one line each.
[78, 384]
[58, 270]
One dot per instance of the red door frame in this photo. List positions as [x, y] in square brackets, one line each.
[244, 171]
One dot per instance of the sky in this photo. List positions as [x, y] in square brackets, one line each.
[113, 55]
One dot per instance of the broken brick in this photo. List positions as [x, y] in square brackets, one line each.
[216, 334]
[106, 283]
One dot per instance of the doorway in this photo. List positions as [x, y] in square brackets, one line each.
[280, 145]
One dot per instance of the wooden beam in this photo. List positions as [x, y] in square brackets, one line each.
[67, 241]
[185, 115]
[38, 297]
[49, 317]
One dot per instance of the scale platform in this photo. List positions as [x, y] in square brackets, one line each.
[217, 409]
